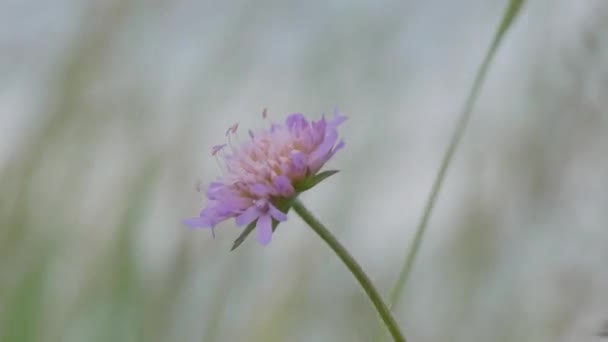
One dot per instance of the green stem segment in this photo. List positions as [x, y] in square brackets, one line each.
[353, 266]
[508, 17]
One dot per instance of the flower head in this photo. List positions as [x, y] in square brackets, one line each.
[265, 172]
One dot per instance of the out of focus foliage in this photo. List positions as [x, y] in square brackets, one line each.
[108, 110]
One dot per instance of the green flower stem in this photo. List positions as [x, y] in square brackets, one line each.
[508, 18]
[353, 266]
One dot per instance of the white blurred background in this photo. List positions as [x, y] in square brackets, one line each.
[108, 110]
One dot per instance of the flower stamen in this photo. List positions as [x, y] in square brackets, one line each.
[214, 152]
[232, 130]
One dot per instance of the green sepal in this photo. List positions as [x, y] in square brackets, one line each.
[283, 204]
[309, 182]
[239, 240]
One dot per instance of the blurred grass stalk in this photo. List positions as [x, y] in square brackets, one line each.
[511, 12]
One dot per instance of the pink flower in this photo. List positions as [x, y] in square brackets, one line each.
[270, 169]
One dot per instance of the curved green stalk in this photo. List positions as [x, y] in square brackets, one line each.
[353, 266]
[508, 18]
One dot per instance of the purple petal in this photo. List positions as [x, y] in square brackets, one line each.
[248, 216]
[321, 154]
[215, 213]
[276, 213]
[337, 120]
[274, 127]
[324, 148]
[234, 202]
[198, 222]
[318, 131]
[336, 149]
[224, 201]
[264, 229]
[299, 162]
[296, 122]
[261, 190]
[215, 190]
[283, 185]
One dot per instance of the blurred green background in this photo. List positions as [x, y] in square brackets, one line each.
[108, 110]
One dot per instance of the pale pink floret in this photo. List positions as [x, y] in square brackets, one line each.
[265, 168]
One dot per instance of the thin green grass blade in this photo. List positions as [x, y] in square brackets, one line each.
[509, 16]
